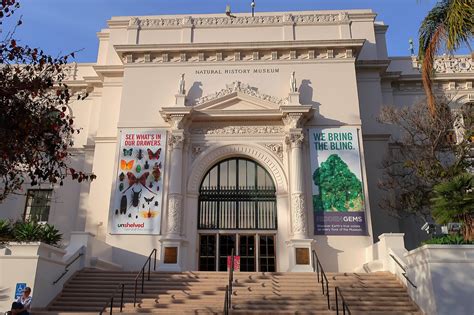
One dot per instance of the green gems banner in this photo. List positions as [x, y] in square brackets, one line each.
[337, 187]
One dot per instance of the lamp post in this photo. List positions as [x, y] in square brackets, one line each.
[253, 7]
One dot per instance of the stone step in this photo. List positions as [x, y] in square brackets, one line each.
[253, 293]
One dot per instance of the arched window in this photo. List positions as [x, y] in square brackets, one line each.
[237, 194]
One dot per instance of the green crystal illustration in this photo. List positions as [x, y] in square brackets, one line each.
[339, 188]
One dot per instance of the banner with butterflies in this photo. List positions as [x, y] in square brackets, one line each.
[137, 203]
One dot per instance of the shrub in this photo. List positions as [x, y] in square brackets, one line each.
[31, 231]
[454, 239]
[50, 235]
[453, 201]
[6, 233]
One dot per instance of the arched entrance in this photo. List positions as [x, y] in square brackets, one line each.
[237, 210]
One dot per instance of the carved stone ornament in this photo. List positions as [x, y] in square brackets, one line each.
[176, 121]
[196, 150]
[450, 64]
[175, 209]
[298, 213]
[175, 141]
[293, 120]
[224, 21]
[238, 130]
[295, 139]
[276, 148]
[240, 87]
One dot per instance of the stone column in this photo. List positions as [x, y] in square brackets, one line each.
[299, 245]
[175, 196]
[295, 139]
[173, 246]
[298, 208]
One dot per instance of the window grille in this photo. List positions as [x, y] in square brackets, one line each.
[237, 194]
[38, 204]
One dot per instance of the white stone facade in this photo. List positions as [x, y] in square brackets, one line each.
[236, 101]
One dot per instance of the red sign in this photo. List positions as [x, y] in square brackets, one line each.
[236, 262]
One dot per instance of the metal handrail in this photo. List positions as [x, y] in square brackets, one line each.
[318, 268]
[226, 300]
[404, 273]
[111, 300]
[142, 273]
[228, 288]
[345, 307]
[66, 270]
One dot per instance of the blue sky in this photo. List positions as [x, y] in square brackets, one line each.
[62, 26]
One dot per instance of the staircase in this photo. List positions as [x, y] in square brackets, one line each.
[253, 293]
[377, 293]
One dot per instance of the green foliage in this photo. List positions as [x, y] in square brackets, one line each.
[453, 199]
[339, 188]
[450, 24]
[32, 231]
[5, 230]
[27, 231]
[50, 235]
[455, 239]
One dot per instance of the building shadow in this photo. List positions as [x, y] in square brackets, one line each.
[194, 93]
[306, 95]
[327, 254]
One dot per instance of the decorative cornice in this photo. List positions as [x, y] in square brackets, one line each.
[449, 64]
[239, 87]
[240, 51]
[238, 130]
[239, 21]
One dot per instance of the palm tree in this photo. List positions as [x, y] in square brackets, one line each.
[453, 201]
[449, 23]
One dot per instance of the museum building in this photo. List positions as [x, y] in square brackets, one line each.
[256, 134]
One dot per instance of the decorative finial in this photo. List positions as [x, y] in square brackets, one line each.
[412, 48]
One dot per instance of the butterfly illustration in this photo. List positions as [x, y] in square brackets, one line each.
[133, 180]
[127, 152]
[148, 214]
[126, 166]
[154, 156]
[148, 200]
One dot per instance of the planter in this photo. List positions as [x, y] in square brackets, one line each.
[444, 276]
[33, 249]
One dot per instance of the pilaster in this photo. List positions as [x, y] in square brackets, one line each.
[172, 252]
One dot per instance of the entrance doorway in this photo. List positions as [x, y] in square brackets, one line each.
[257, 251]
[237, 210]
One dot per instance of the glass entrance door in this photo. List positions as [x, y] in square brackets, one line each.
[227, 242]
[207, 252]
[247, 252]
[267, 253]
[257, 251]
